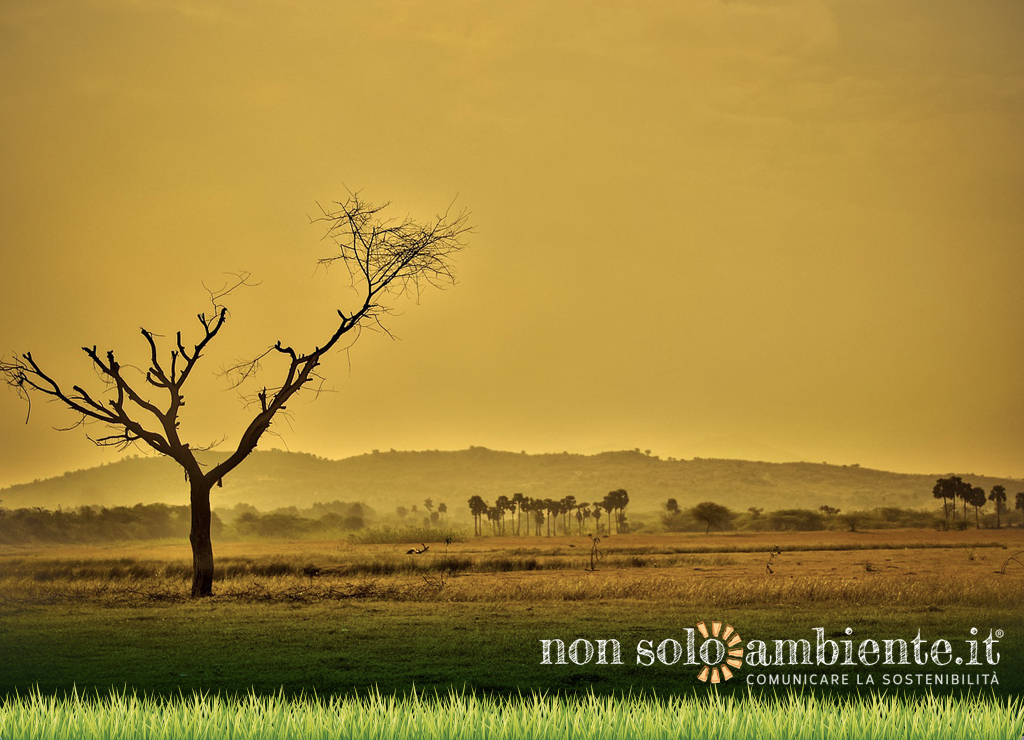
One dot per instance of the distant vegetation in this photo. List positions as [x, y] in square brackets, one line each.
[708, 515]
[93, 524]
[669, 496]
[953, 488]
[90, 524]
[389, 479]
[339, 520]
[572, 514]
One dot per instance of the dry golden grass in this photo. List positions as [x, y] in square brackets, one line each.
[909, 567]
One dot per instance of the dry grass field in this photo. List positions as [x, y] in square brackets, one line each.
[917, 567]
[471, 616]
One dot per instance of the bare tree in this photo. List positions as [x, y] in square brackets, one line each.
[385, 260]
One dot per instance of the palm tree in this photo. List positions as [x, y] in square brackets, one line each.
[609, 506]
[503, 504]
[998, 495]
[553, 508]
[620, 500]
[493, 516]
[567, 504]
[442, 509]
[477, 507]
[963, 492]
[518, 499]
[946, 488]
[977, 499]
[597, 516]
[1020, 505]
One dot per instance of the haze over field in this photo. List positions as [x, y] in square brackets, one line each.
[784, 231]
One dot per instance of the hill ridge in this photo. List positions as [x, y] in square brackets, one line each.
[275, 478]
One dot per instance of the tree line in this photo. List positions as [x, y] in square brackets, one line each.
[713, 515]
[91, 524]
[547, 513]
[708, 515]
[87, 524]
[953, 488]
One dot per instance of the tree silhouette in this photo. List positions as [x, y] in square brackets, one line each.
[566, 505]
[553, 508]
[609, 507]
[712, 514]
[672, 519]
[384, 258]
[976, 498]
[477, 507]
[964, 491]
[518, 499]
[526, 507]
[615, 503]
[998, 497]
[493, 516]
[502, 504]
[946, 489]
[1020, 505]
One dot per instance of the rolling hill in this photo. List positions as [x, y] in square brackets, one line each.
[385, 480]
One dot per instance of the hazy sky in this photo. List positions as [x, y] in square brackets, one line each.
[786, 230]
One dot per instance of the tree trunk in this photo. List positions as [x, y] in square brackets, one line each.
[202, 545]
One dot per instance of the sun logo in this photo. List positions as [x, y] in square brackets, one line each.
[720, 652]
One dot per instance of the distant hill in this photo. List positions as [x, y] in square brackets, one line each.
[385, 480]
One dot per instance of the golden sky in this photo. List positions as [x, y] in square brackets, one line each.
[775, 229]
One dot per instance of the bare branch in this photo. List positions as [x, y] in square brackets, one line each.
[385, 258]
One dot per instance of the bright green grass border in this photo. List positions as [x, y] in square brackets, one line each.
[462, 716]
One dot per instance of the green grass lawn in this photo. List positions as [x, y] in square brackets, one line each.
[470, 716]
[354, 646]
